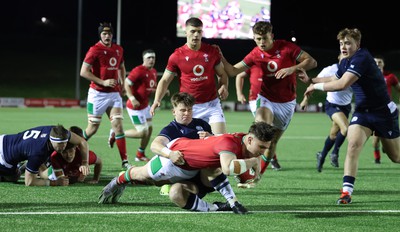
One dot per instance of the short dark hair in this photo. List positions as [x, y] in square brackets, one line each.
[379, 56]
[263, 131]
[148, 51]
[262, 27]
[184, 98]
[77, 130]
[195, 22]
[59, 132]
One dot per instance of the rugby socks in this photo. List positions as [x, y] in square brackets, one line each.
[124, 177]
[140, 153]
[194, 203]
[121, 144]
[377, 154]
[338, 142]
[85, 136]
[348, 184]
[222, 185]
[328, 146]
[264, 163]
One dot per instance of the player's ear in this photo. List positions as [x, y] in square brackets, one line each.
[249, 139]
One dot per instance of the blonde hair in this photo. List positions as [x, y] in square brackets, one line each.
[352, 33]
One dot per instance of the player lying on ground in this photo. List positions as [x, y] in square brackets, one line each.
[233, 153]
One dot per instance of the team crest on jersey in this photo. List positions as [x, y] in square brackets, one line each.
[117, 52]
[278, 53]
[105, 52]
[186, 58]
[205, 57]
[262, 56]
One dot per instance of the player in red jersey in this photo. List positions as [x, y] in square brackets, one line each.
[140, 84]
[391, 81]
[227, 154]
[104, 67]
[255, 75]
[279, 60]
[197, 64]
[65, 165]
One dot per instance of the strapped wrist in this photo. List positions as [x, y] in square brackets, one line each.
[319, 86]
[166, 151]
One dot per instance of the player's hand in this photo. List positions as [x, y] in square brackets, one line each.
[309, 90]
[282, 73]
[122, 92]
[81, 178]
[304, 102]
[302, 75]
[241, 98]
[177, 157]
[62, 181]
[84, 169]
[203, 134]
[110, 83]
[223, 92]
[135, 103]
[153, 108]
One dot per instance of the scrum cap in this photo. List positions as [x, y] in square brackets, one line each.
[105, 27]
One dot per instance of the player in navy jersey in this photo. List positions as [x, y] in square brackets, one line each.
[375, 113]
[169, 166]
[184, 125]
[279, 60]
[35, 146]
[337, 107]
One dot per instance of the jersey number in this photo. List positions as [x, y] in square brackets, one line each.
[31, 134]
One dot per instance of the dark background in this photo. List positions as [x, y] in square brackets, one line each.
[40, 60]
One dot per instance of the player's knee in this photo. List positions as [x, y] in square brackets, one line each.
[343, 131]
[142, 128]
[116, 117]
[94, 120]
[175, 193]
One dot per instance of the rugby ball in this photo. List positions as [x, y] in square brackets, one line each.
[246, 177]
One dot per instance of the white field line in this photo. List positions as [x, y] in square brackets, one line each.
[301, 137]
[189, 212]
